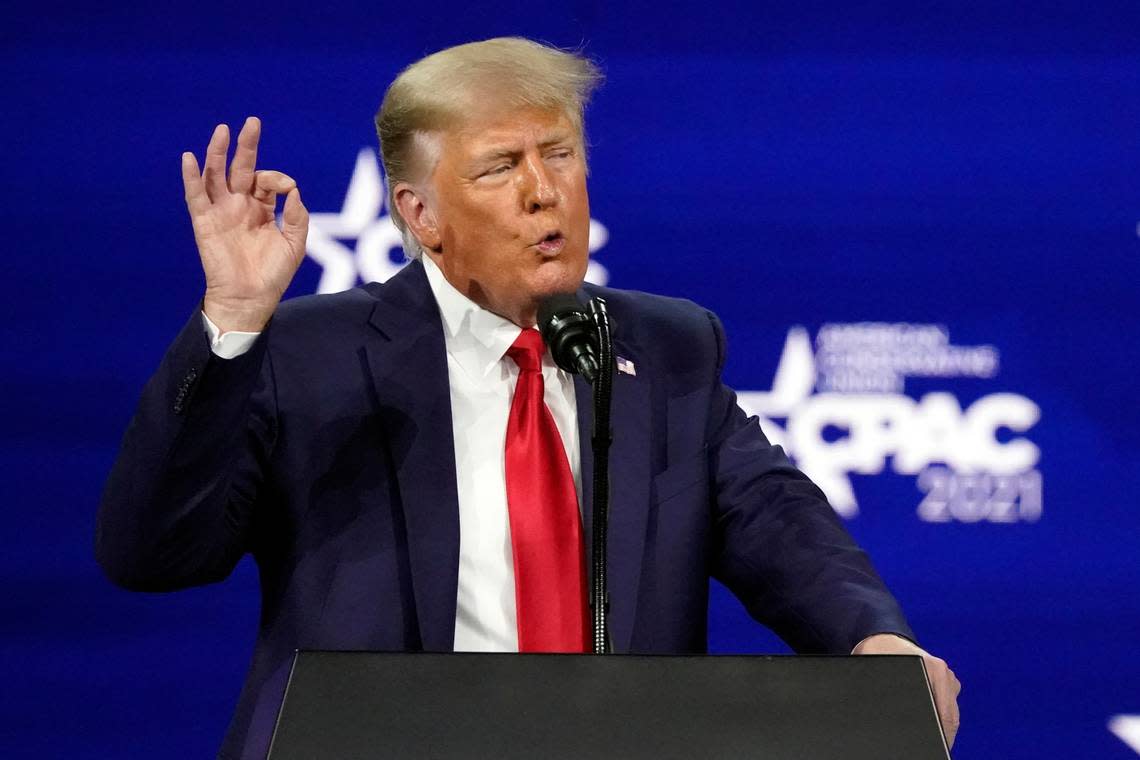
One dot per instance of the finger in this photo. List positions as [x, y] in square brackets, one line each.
[268, 185]
[214, 175]
[295, 223]
[952, 698]
[245, 156]
[196, 199]
[950, 724]
[947, 704]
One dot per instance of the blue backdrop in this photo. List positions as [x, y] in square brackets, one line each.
[919, 224]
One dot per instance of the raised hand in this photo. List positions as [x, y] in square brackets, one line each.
[247, 259]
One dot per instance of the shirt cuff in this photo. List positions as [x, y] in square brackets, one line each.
[228, 345]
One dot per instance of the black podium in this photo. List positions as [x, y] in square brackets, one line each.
[350, 705]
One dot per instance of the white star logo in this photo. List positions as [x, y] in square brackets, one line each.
[1127, 729]
[374, 257]
[791, 388]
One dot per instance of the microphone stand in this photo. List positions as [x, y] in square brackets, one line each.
[601, 440]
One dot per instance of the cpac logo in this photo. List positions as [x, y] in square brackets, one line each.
[374, 257]
[969, 462]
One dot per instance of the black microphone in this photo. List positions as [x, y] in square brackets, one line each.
[569, 333]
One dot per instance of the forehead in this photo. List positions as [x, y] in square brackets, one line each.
[490, 128]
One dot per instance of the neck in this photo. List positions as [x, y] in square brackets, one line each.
[522, 315]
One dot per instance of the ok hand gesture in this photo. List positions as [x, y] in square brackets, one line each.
[247, 259]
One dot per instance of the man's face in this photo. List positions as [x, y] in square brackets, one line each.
[510, 210]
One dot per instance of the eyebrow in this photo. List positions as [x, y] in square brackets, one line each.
[494, 154]
[556, 138]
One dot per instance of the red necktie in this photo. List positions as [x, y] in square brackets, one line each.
[546, 530]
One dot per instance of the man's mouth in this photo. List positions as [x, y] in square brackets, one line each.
[551, 243]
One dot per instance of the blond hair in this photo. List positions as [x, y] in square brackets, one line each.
[433, 94]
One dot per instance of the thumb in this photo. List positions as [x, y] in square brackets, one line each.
[295, 222]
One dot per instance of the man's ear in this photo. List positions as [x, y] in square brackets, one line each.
[418, 215]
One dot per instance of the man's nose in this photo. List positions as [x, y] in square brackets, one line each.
[539, 188]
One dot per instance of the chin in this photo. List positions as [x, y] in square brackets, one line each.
[558, 276]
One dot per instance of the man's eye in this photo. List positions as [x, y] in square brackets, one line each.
[500, 169]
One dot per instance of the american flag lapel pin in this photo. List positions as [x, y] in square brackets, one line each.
[626, 366]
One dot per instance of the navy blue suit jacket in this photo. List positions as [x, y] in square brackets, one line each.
[326, 452]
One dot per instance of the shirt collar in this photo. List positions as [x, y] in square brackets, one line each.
[475, 337]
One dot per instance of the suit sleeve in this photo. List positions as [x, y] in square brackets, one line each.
[178, 506]
[780, 547]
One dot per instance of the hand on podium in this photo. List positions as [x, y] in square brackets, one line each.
[943, 683]
[247, 259]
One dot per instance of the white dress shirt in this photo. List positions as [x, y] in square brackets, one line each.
[482, 380]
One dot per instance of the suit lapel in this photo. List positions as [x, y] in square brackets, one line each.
[629, 489]
[407, 361]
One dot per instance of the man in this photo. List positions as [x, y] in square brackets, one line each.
[375, 450]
